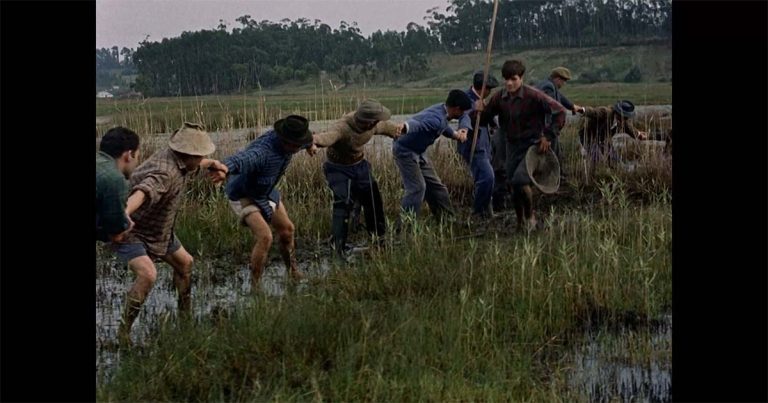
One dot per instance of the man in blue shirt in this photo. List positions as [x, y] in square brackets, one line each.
[551, 86]
[419, 178]
[254, 173]
[482, 171]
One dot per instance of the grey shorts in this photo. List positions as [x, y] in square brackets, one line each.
[129, 251]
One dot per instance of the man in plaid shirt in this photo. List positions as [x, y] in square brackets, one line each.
[523, 113]
[252, 191]
[157, 186]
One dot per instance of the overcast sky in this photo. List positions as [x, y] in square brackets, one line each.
[125, 23]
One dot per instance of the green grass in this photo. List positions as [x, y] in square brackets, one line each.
[319, 101]
[163, 115]
[436, 315]
[431, 319]
[655, 62]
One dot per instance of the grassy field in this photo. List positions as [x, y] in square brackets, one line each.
[444, 311]
[162, 115]
[327, 99]
[453, 311]
[654, 62]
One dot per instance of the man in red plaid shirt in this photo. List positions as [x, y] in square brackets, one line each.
[522, 112]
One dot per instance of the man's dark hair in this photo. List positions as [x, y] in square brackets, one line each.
[511, 68]
[490, 82]
[459, 98]
[118, 140]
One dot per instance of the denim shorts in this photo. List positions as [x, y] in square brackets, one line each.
[129, 251]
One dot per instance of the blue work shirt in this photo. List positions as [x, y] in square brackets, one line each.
[424, 128]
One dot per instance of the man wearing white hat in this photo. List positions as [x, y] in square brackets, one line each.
[156, 189]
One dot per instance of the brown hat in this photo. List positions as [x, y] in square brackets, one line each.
[294, 129]
[561, 72]
[371, 110]
[192, 139]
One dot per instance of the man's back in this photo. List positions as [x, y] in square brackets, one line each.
[111, 194]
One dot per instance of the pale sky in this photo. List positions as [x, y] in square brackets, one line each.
[125, 23]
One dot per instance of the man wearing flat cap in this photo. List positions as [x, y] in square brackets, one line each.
[482, 171]
[157, 186]
[551, 86]
[348, 172]
[253, 176]
[599, 124]
[420, 131]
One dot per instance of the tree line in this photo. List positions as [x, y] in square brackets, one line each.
[256, 54]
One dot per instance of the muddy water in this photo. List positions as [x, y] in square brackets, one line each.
[628, 365]
[216, 286]
[624, 364]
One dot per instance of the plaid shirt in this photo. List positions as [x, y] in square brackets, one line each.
[345, 141]
[522, 114]
[111, 194]
[256, 170]
[597, 125]
[162, 178]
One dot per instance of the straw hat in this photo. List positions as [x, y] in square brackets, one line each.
[192, 139]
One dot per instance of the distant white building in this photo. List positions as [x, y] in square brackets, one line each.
[104, 94]
[115, 87]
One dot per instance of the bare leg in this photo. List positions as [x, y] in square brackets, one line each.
[146, 275]
[527, 199]
[517, 199]
[285, 230]
[263, 237]
[181, 262]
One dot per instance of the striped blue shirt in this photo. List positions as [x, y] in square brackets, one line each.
[255, 171]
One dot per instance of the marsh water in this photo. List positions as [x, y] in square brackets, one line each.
[605, 364]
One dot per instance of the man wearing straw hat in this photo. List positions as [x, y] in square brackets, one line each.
[523, 117]
[348, 172]
[157, 186]
[254, 174]
[420, 131]
[600, 124]
[482, 171]
[551, 86]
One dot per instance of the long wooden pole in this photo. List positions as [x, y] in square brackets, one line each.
[485, 77]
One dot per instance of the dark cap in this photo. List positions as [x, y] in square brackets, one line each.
[625, 109]
[490, 82]
[294, 129]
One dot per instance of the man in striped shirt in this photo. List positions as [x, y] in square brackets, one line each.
[251, 189]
